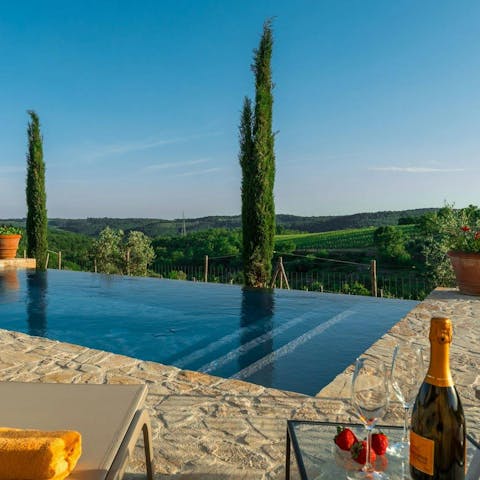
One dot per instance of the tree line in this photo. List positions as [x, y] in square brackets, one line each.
[284, 223]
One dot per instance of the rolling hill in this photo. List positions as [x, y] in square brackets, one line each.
[158, 227]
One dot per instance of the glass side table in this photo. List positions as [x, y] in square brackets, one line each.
[316, 457]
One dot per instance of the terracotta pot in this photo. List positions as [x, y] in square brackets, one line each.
[11, 279]
[9, 246]
[467, 271]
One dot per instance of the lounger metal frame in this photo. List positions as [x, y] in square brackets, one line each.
[140, 422]
[110, 419]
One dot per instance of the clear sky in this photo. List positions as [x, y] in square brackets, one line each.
[377, 104]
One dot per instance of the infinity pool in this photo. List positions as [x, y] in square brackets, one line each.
[291, 340]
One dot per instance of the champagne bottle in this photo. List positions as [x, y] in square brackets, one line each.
[437, 437]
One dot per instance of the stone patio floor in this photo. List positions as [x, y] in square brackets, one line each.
[209, 427]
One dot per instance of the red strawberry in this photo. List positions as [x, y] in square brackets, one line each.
[381, 464]
[359, 453]
[345, 438]
[379, 443]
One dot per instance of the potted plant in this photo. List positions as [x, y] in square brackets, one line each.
[9, 239]
[461, 231]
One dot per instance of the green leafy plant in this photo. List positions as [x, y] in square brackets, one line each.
[460, 228]
[356, 288]
[390, 242]
[447, 230]
[10, 230]
[316, 287]
[177, 275]
[114, 253]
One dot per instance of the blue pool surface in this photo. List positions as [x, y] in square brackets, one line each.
[292, 340]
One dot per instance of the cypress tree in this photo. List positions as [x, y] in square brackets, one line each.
[257, 159]
[248, 189]
[37, 245]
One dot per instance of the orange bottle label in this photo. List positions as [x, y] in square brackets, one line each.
[421, 453]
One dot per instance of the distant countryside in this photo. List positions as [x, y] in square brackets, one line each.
[328, 254]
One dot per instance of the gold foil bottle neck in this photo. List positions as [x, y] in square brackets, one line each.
[440, 338]
[441, 331]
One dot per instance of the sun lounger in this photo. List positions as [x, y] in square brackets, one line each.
[110, 419]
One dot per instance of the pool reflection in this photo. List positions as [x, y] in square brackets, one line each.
[9, 279]
[256, 322]
[37, 303]
[9, 285]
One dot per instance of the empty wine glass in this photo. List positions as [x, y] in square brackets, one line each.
[370, 401]
[406, 375]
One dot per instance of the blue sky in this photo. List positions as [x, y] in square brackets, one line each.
[377, 104]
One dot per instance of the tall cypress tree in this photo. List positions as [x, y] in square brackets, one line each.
[257, 159]
[37, 245]
[248, 189]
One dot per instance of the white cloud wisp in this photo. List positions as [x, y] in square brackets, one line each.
[415, 169]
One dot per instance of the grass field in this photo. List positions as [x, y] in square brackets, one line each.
[339, 239]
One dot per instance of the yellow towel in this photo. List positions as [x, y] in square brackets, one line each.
[37, 454]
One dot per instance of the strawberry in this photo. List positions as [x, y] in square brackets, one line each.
[379, 443]
[381, 464]
[359, 453]
[345, 438]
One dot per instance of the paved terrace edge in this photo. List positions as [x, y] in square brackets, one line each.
[210, 427]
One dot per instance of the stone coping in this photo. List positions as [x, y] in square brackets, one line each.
[210, 427]
[18, 263]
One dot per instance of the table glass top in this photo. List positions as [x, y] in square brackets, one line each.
[322, 459]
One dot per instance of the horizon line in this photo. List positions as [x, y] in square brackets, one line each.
[219, 215]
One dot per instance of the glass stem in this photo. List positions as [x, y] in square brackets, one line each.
[368, 467]
[405, 424]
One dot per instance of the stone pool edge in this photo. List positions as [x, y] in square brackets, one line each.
[210, 427]
[463, 310]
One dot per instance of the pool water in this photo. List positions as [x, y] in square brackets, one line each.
[292, 340]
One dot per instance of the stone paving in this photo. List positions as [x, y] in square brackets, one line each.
[209, 427]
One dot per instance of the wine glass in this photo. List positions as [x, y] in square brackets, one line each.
[406, 375]
[370, 401]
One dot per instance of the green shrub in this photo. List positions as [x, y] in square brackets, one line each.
[316, 287]
[10, 230]
[177, 275]
[356, 288]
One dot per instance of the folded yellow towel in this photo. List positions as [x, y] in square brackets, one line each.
[37, 454]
